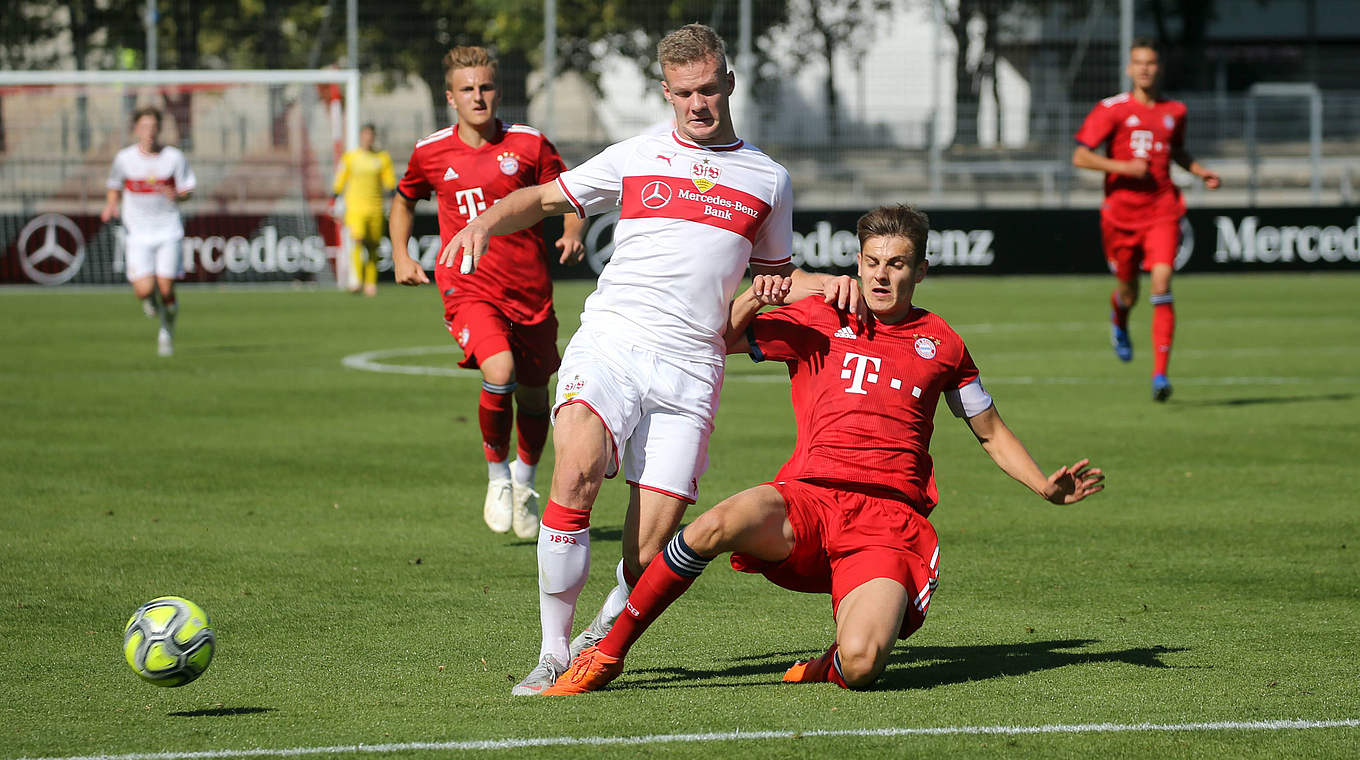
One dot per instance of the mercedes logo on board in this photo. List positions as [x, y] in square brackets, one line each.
[51, 249]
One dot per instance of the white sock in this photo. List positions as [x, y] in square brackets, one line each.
[563, 564]
[618, 596]
[523, 473]
[498, 470]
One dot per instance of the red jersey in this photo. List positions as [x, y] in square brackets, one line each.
[1133, 130]
[865, 403]
[514, 273]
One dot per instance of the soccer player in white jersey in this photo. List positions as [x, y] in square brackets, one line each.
[639, 384]
[151, 179]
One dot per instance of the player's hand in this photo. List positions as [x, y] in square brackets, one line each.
[408, 271]
[771, 289]
[1211, 179]
[1071, 484]
[1136, 168]
[843, 293]
[573, 250]
[110, 212]
[472, 241]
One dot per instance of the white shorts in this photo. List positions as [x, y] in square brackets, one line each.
[159, 256]
[658, 410]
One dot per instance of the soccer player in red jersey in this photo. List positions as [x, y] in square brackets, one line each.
[1140, 219]
[847, 515]
[502, 316]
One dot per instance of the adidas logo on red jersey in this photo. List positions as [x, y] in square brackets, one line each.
[845, 332]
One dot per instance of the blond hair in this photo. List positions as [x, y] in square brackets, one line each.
[690, 43]
[467, 56]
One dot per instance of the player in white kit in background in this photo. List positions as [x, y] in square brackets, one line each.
[151, 179]
[639, 382]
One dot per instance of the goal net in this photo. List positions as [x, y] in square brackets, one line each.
[262, 145]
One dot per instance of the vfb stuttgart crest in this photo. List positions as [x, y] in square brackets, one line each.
[508, 162]
[704, 175]
[573, 387]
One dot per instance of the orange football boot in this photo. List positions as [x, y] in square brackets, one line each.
[591, 670]
[820, 670]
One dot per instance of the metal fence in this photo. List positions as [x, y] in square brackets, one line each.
[964, 103]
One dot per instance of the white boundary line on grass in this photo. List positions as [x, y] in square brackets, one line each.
[375, 361]
[604, 741]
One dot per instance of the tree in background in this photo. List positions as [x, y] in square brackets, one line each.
[828, 29]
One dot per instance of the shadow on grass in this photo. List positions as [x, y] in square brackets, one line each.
[1253, 401]
[918, 667]
[221, 712]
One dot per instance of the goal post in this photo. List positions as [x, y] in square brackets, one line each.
[262, 143]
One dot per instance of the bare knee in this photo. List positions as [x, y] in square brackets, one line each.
[711, 533]
[862, 659]
[498, 369]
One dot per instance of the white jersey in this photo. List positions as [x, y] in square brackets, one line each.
[142, 178]
[691, 219]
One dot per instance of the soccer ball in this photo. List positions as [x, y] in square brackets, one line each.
[167, 641]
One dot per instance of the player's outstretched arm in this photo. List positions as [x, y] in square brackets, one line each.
[405, 269]
[523, 208]
[1067, 485]
[841, 291]
[1085, 158]
[1187, 162]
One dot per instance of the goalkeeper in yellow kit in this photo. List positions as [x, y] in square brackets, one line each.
[365, 175]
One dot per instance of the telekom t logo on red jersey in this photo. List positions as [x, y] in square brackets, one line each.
[471, 202]
[1140, 142]
[865, 370]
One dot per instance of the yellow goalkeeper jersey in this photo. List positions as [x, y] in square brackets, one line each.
[364, 176]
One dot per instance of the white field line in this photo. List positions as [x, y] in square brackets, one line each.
[605, 741]
[375, 361]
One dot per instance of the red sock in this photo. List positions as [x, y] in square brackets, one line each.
[1163, 331]
[1119, 313]
[496, 416]
[825, 668]
[652, 594]
[533, 433]
[564, 519]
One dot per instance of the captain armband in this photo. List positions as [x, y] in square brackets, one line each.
[968, 401]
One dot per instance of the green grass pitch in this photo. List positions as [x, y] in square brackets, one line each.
[328, 519]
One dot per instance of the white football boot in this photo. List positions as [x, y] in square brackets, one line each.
[499, 508]
[543, 675]
[165, 344]
[525, 519]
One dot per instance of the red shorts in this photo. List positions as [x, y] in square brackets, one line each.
[1128, 251]
[843, 539]
[483, 331]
